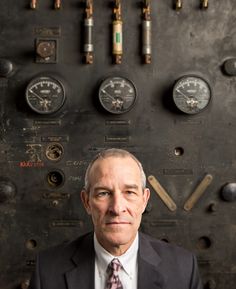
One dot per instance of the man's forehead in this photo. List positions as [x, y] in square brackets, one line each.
[125, 169]
[101, 162]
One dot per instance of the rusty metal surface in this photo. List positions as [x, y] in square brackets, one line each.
[43, 156]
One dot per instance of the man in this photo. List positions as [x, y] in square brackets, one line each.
[116, 255]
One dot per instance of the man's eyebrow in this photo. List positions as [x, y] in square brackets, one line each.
[96, 188]
[131, 186]
[106, 188]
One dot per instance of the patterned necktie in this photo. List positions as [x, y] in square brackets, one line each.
[113, 281]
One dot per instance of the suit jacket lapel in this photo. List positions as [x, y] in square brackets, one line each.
[82, 276]
[149, 272]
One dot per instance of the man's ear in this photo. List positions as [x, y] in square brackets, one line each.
[146, 196]
[85, 200]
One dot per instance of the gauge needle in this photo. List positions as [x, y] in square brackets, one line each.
[104, 91]
[183, 94]
[39, 97]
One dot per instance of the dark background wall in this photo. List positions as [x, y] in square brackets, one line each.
[43, 156]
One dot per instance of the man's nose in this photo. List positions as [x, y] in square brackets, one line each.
[117, 203]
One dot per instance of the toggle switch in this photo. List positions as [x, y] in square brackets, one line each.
[228, 192]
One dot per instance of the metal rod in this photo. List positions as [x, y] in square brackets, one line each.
[198, 192]
[161, 192]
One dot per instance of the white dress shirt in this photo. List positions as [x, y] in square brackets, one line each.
[128, 274]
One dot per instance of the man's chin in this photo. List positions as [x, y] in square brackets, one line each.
[118, 238]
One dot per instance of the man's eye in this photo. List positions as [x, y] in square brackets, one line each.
[103, 194]
[130, 192]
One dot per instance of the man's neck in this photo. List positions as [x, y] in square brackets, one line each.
[115, 249]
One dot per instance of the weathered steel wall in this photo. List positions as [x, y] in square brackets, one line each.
[43, 155]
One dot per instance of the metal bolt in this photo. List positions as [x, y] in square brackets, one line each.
[25, 284]
[33, 4]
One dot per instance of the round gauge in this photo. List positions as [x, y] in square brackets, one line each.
[117, 95]
[45, 95]
[191, 94]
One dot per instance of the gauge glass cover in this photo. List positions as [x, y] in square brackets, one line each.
[191, 94]
[117, 95]
[45, 95]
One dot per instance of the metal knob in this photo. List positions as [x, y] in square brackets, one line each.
[45, 49]
[25, 284]
[7, 190]
[229, 192]
[230, 67]
[6, 67]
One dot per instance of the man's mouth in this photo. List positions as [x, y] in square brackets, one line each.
[117, 223]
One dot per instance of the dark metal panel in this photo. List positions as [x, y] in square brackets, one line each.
[39, 197]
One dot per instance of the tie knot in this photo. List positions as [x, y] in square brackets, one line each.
[113, 281]
[115, 265]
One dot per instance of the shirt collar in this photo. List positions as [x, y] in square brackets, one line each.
[128, 260]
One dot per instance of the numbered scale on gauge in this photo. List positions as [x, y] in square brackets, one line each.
[45, 95]
[117, 95]
[191, 94]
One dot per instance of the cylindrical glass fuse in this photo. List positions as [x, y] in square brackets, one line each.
[88, 35]
[147, 37]
[117, 38]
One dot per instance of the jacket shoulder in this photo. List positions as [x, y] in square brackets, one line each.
[164, 248]
[169, 256]
[62, 253]
[177, 266]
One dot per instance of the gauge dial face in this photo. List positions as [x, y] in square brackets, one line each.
[45, 95]
[191, 94]
[117, 95]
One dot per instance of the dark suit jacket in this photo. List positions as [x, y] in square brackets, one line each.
[160, 266]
